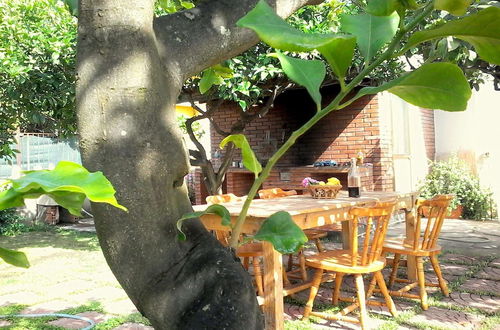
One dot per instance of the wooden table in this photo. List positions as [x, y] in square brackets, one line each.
[306, 213]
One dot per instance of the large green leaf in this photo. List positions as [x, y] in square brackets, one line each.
[382, 7]
[433, 86]
[455, 7]
[218, 209]
[482, 30]
[307, 73]
[277, 33]
[15, 258]
[68, 184]
[339, 53]
[280, 230]
[372, 32]
[208, 79]
[249, 159]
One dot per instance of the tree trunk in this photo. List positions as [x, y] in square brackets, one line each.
[126, 102]
[130, 71]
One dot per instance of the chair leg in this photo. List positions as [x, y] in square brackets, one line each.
[302, 265]
[371, 287]
[437, 270]
[246, 261]
[360, 288]
[319, 245]
[314, 291]
[394, 272]
[383, 288]
[289, 263]
[421, 283]
[258, 276]
[336, 290]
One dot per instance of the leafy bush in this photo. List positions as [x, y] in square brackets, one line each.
[37, 69]
[454, 177]
[12, 223]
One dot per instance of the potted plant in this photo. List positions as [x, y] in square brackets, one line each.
[454, 177]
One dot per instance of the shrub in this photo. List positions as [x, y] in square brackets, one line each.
[12, 223]
[37, 69]
[454, 177]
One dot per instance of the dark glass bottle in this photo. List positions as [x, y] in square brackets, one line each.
[353, 180]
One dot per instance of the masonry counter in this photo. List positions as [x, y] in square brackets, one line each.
[239, 180]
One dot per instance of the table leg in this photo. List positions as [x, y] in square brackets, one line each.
[273, 288]
[346, 230]
[410, 229]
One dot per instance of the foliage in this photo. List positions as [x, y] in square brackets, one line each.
[433, 85]
[69, 184]
[37, 71]
[198, 130]
[12, 223]
[248, 156]
[453, 176]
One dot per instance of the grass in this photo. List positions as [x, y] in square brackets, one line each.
[67, 269]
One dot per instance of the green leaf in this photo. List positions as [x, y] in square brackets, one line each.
[481, 30]
[15, 258]
[280, 230]
[68, 184]
[454, 7]
[187, 4]
[276, 32]
[372, 32]
[339, 53]
[248, 156]
[433, 86]
[382, 7]
[72, 6]
[208, 79]
[218, 209]
[307, 73]
[223, 71]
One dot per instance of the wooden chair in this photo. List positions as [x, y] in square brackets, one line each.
[312, 234]
[423, 243]
[247, 251]
[365, 259]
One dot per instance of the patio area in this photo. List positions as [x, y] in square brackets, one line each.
[82, 284]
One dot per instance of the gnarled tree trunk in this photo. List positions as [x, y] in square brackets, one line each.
[130, 71]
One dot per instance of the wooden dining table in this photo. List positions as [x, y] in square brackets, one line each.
[306, 212]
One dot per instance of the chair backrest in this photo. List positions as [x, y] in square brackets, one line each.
[223, 198]
[222, 236]
[434, 210]
[275, 193]
[377, 220]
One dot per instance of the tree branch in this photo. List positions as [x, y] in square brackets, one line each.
[207, 34]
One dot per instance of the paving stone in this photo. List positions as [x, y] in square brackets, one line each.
[481, 285]
[4, 323]
[101, 294]
[488, 304]
[48, 307]
[69, 323]
[75, 285]
[495, 263]
[119, 307]
[489, 273]
[458, 258]
[447, 318]
[453, 269]
[22, 298]
[133, 326]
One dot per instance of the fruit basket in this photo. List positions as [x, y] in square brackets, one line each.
[324, 191]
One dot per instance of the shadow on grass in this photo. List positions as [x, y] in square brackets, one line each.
[52, 237]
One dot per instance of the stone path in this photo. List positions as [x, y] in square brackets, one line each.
[472, 269]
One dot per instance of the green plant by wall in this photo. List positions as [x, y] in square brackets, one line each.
[453, 176]
[12, 223]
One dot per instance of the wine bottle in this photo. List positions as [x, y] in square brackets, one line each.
[353, 180]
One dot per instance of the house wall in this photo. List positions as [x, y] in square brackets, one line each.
[474, 136]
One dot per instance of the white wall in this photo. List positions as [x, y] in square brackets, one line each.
[474, 135]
